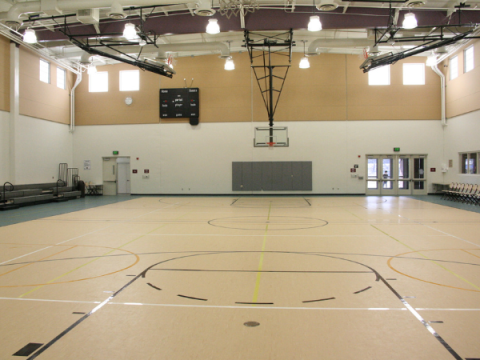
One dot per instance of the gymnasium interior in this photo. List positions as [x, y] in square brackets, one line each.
[239, 179]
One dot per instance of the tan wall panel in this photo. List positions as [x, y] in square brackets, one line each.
[39, 99]
[463, 93]
[5, 71]
[315, 94]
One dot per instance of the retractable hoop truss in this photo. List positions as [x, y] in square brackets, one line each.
[90, 42]
[268, 49]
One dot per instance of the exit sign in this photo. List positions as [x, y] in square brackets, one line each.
[396, 149]
[115, 153]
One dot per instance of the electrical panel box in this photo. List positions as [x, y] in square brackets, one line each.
[179, 103]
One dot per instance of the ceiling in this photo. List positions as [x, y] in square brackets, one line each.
[349, 28]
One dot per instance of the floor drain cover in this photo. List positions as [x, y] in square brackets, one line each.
[251, 323]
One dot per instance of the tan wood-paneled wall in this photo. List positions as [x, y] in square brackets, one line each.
[463, 93]
[5, 71]
[333, 88]
[39, 99]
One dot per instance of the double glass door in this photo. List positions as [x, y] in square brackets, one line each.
[396, 175]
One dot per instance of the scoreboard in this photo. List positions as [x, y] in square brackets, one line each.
[179, 103]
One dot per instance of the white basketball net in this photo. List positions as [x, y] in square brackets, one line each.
[234, 7]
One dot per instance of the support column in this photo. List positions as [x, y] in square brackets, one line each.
[14, 108]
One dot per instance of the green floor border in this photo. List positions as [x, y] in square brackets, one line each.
[34, 212]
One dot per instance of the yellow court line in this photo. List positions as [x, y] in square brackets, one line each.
[21, 267]
[260, 264]
[433, 261]
[91, 261]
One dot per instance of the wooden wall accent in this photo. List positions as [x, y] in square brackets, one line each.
[333, 89]
[5, 71]
[41, 100]
[463, 93]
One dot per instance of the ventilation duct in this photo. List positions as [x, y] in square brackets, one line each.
[327, 5]
[117, 12]
[88, 16]
[204, 8]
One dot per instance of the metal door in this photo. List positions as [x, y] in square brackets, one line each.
[419, 180]
[109, 176]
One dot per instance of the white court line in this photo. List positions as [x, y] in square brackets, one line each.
[443, 232]
[76, 237]
[234, 307]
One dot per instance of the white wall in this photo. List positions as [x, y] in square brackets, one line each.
[4, 146]
[462, 134]
[197, 160]
[40, 146]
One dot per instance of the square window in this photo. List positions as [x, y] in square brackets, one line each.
[129, 80]
[414, 74]
[61, 78]
[379, 76]
[453, 64]
[44, 71]
[98, 82]
[468, 59]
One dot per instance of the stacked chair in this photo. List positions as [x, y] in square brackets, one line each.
[460, 192]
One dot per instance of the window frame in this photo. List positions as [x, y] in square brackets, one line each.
[466, 165]
[91, 83]
[450, 62]
[64, 84]
[122, 85]
[411, 65]
[49, 75]
[371, 79]
[465, 56]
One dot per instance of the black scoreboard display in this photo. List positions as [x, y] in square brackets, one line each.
[179, 103]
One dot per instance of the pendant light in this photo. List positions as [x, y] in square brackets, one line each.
[130, 32]
[213, 27]
[409, 21]
[304, 63]
[29, 36]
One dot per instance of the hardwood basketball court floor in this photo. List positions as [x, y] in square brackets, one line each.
[348, 277]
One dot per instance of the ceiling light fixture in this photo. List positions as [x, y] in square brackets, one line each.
[409, 21]
[130, 32]
[29, 36]
[229, 64]
[304, 63]
[314, 23]
[92, 70]
[213, 27]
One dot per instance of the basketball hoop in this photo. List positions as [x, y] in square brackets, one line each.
[365, 54]
[271, 144]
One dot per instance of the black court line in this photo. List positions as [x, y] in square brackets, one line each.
[359, 291]
[308, 202]
[28, 349]
[143, 274]
[311, 301]
[436, 322]
[192, 298]
[234, 201]
[78, 313]
[153, 286]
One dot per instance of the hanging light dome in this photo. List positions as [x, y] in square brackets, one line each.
[304, 63]
[432, 60]
[229, 64]
[29, 36]
[314, 24]
[130, 32]
[409, 21]
[213, 27]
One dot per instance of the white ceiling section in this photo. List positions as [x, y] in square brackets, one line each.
[178, 27]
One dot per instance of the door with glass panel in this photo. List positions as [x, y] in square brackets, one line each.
[396, 175]
[373, 175]
[419, 179]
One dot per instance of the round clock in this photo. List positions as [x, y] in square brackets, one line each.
[128, 100]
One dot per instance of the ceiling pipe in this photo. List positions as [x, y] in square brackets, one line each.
[442, 84]
[162, 49]
[73, 5]
[337, 43]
